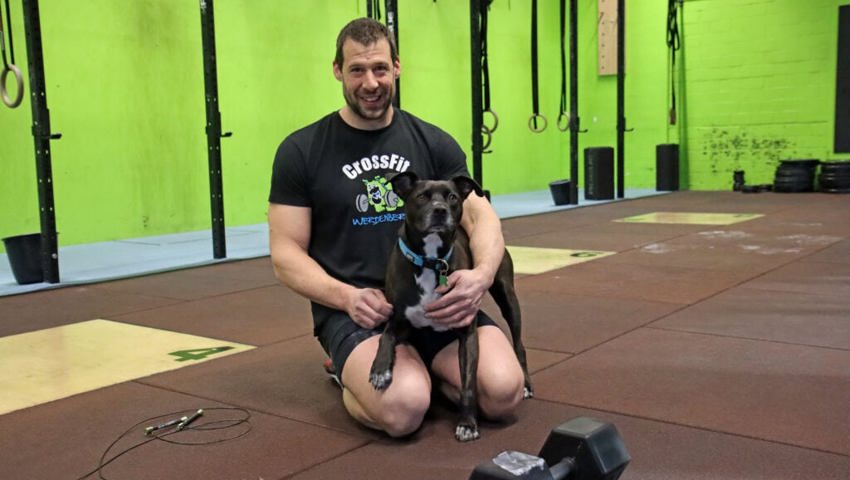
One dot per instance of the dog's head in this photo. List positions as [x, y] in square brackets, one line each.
[433, 206]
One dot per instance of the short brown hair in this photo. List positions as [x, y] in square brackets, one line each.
[365, 31]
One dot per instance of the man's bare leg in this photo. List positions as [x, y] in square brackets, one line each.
[398, 410]
[500, 377]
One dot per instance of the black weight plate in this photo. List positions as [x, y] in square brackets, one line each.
[835, 176]
[808, 162]
[835, 190]
[835, 167]
[802, 176]
[791, 177]
[795, 168]
[832, 177]
[792, 188]
[792, 181]
[805, 161]
[834, 184]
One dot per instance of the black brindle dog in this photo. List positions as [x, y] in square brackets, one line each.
[431, 245]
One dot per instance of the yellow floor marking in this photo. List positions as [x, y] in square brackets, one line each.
[691, 218]
[54, 363]
[533, 260]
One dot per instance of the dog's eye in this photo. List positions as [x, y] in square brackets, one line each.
[422, 197]
[453, 197]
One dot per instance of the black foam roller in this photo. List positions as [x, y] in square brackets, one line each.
[667, 167]
[599, 173]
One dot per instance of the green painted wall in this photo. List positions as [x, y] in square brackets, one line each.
[646, 90]
[760, 81]
[125, 88]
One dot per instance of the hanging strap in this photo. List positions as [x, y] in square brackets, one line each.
[9, 29]
[564, 117]
[673, 43]
[9, 66]
[485, 78]
[535, 101]
[373, 9]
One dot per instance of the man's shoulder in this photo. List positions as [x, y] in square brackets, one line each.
[410, 118]
[308, 131]
[300, 143]
[427, 129]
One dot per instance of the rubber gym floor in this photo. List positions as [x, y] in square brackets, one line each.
[719, 345]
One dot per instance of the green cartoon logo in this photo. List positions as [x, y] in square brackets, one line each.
[379, 194]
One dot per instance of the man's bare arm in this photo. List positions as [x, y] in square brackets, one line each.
[485, 235]
[289, 238]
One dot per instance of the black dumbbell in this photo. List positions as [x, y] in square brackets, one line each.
[579, 449]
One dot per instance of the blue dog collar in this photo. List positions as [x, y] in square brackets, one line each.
[440, 265]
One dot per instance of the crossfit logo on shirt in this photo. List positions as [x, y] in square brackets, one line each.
[379, 195]
[366, 164]
[380, 198]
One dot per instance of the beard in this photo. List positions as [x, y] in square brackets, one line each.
[369, 111]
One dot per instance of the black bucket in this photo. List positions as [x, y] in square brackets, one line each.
[560, 192]
[24, 252]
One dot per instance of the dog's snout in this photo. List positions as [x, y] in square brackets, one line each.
[440, 213]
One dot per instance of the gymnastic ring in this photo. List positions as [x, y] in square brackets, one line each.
[488, 134]
[495, 120]
[531, 123]
[19, 80]
[569, 121]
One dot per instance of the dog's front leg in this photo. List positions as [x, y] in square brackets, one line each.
[467, 427]
[381, 374]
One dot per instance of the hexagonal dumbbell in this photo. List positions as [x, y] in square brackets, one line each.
[579, 449]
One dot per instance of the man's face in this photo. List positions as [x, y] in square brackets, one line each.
[368, 83]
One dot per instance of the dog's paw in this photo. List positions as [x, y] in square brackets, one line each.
[467, 433]
[528, 392]
[381, 380]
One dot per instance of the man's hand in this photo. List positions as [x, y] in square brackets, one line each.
[368, 307]
[461, 298]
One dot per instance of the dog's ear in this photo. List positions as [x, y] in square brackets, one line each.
[466, 185]
[402, 182]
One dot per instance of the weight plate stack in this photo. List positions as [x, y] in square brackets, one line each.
[835, 177]
[794, 176]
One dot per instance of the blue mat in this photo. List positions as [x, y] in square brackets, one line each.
[97, 262]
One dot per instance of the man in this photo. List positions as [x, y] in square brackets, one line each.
[333, 220]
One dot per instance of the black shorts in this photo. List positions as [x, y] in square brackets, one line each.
[339, 335]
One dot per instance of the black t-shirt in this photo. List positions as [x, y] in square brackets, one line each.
[340, 173]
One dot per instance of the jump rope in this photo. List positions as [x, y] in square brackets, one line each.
[173, 425]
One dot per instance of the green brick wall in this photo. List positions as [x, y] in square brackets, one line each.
[760, 79]
[125, 88]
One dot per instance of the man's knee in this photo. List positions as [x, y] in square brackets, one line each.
[400, 409]
[403, 408]
[500, 377]
[497, 407]
[499, 397]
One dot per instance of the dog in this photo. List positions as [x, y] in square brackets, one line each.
[431, 245]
